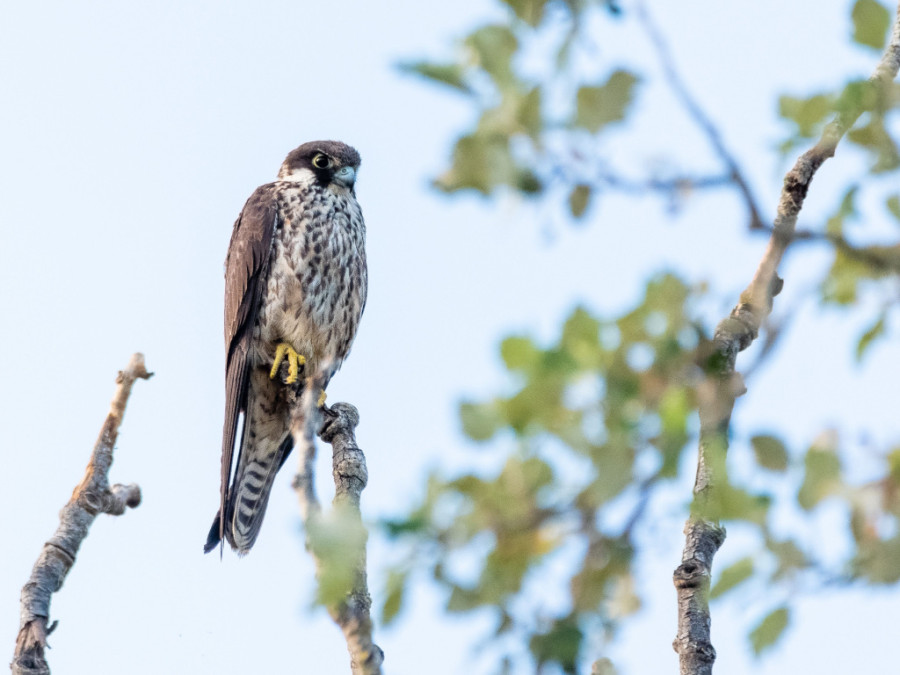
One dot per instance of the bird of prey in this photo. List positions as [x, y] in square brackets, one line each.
[295, 288]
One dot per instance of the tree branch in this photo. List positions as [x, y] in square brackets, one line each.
[697, 113]
[716, 395]
[881, 257]
[338, 543]
[677, 184]
[91, 497]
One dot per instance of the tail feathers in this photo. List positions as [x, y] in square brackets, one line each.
[249, 498]
[213, 539]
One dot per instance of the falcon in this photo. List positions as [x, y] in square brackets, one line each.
[295, 289]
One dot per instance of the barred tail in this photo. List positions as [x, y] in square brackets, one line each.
[250, 496]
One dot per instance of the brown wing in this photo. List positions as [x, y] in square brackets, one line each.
[246, 269]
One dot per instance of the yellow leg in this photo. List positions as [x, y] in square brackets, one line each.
[322, 397]
[295, 360]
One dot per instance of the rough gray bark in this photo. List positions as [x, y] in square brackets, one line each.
[336, 426]
[722, 385]
[90, 497]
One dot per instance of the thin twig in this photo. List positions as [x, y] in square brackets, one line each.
[91, 497]
[664, 55]
[666, 185]
[882, 257]
[352, 612]
[722, 385]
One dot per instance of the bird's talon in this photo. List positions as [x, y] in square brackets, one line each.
[322, 397]
[295, 360]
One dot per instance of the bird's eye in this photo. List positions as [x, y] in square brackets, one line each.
[321, 161]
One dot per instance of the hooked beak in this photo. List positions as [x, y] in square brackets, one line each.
[346, 176]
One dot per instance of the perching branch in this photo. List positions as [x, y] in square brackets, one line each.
[337, 542]
[92, 496]
[716, 395]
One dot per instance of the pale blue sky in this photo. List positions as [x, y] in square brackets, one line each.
[130, 137]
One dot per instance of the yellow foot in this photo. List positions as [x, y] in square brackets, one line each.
[322, 397]
[294, 359]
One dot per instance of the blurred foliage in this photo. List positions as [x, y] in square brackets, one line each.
[871, 21]
[517, 143]
[594, 422]
[590, 436]
[769, 629]
[338, 541]
[874, 267]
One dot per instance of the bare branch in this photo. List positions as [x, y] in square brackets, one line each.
[677, 184]
[351, 613]
[700, 117]
[881, 257]
[91, 497]
[722, 385]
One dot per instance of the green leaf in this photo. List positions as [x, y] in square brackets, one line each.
[505, 567]
[734, 503]
[732, 576]
[875, 138]
[870, 23]
[528, 113]
[769, 630]
[847, 209]
[840, 286]
[451, 74]
[493, 48]
[893, 205]
[770, 452]
[560, 645]
[394, 591]
[579, 199]
[527, 182]
[860, 96]
[879, 561]
[588, 585]
[603, 667]
[415, 524]
[480, 421]
[463, 600]
[790, 557]
[519, 353]
[581, 337]
[530, 11]
[893, 460]
[674, 408]
[481, 161]
[622, 600]
[806, 113]
[517, 113]
[601, 105]
[874, 331]
[338, 540]
[822, 479]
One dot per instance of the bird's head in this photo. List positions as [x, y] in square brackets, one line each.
[323, 162]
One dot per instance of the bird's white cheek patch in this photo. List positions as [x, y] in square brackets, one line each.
[298, 176]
